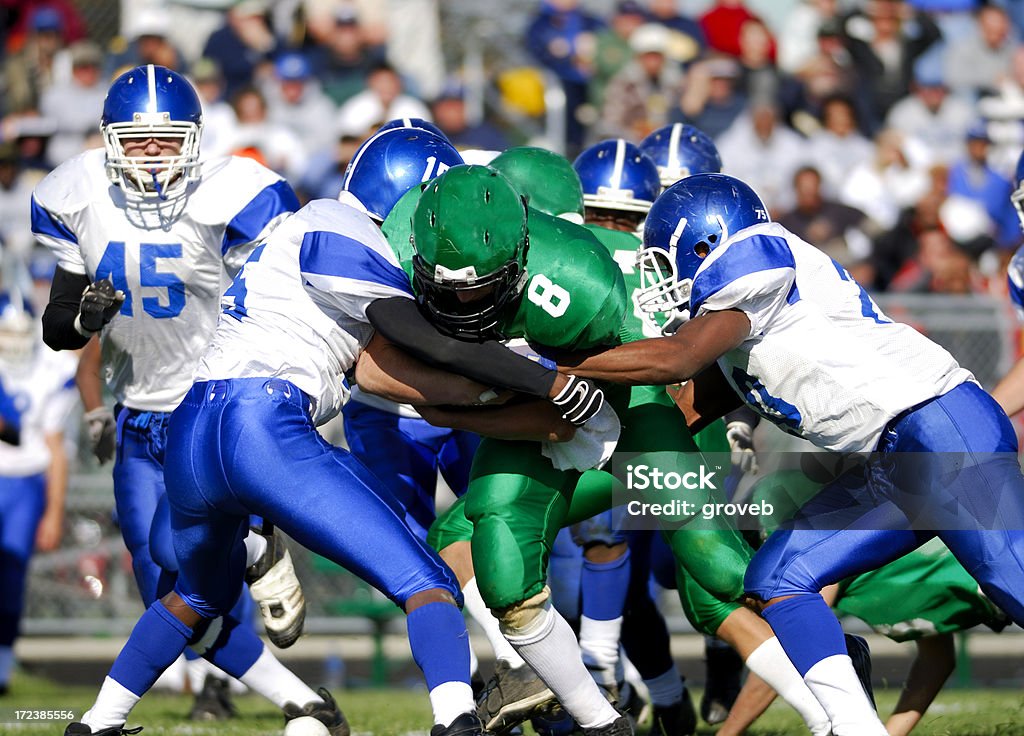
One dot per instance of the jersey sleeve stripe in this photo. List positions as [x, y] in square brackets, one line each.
[275, 200]
[46, 223]
[743, 258]
[334, 254]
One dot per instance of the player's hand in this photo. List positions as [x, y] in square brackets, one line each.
[580, 400]
[741, 443]
[100, 302]
[102, 433]
[49, 531]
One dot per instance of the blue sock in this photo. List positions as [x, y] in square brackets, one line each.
[605, 585]
[439, 643]
[236, 647]
[807, 629]
[156, 641]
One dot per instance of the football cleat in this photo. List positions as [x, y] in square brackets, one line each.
[679, 719]
[213, 702]
[278, 592]
[325, 710]
[467, 724]
[511, 696]
[80, 729]
[860, 653]
[619, 727]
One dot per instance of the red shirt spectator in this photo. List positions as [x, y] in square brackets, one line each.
[722, 24]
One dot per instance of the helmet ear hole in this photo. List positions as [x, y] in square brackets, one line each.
[702, 249]
[712, 239]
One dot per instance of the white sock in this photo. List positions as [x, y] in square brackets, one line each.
[197, 670]
[255, 547]
[277, 683]
[599, 643]
[474, 662]
[449, 700]
[112, 706]
[481, 614]
[835, 684]
[666, 688]
[6, 664]
[770, 663]
[550, 648]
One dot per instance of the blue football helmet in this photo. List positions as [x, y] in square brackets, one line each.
[1018, 194]
[1015, 276]
[412, 123]
[616, 175]
[152, 102]
[681, 150]
[690, 219]
[390, 163]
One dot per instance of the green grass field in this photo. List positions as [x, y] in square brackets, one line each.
[405, 712]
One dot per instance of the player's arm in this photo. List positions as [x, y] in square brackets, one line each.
[51, 526]
[386, 370]
[1009, 392]
[705, 398]
[78, 309]
[536, 421]
[935, 661]
[665, 360]
[10, 419]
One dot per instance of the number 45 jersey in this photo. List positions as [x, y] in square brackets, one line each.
[172, 261]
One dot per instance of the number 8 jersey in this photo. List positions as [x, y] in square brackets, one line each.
[172, 260]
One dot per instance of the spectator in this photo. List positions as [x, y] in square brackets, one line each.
[827, 74]
[344, 57]
[31, 135]
[938, 267]
[382, 100]
[297, 102]
[885, 41]
[30, 71]
[973, 178]
[641, 96]
[933, 116]
[764, 154]
[837, 229]
[760, 77]
[562, 38]
[612, 48]
[723, 23]
[982, 62]
[76, 105]
[150, 44]
[838, 147]
[256, 136]
[242, 44]
[895, 178]
[325, 172]
[686, 42]
[449, 112]
[798, 39]
[219, 121]
[712, 97]
[61, 14]
[15, 191]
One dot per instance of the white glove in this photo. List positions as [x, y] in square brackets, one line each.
[741, 443]
[102, 429]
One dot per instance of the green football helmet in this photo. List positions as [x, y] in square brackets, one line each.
[548, 181]
[470, 237]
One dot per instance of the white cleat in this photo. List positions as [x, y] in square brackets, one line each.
[277, 591]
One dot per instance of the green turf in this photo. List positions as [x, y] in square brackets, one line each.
[406, 712]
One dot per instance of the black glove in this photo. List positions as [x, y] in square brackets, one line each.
[100, 302]
[580, 400]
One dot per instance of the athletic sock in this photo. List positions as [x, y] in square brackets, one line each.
[549, 646]
[604, 587]
[481, 614]
[440, 646]
[770, 663]
[665, 689]
[271, 679]
[255, 547]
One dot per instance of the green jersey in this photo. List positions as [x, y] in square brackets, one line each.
[623, 248]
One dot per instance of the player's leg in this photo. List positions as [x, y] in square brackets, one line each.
[330, 503]
[517, 503]
[22, 502]
[455, 461]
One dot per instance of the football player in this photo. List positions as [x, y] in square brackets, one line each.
[147, 238]
[1010, 390]
[244, 441]
[39, 385]
[777, 324]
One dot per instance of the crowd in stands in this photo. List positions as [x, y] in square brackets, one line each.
[884, 131]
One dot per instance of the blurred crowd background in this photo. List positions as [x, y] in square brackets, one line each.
[884, 131]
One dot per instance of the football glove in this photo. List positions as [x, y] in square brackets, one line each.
[102, 430]
[579, 400]
[100, 302]
[741, 444]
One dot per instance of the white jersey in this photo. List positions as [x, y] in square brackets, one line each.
[44, 393]
[822, 361]
[172, 262]
[297, 310]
